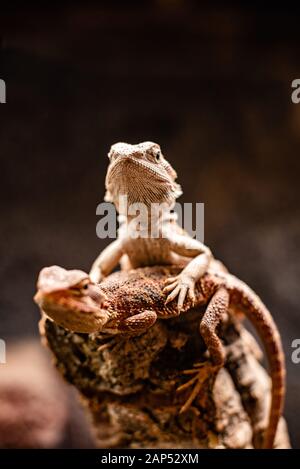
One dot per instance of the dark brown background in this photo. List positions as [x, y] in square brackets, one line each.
[211, 84]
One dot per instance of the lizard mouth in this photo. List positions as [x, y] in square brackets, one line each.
[72, 311]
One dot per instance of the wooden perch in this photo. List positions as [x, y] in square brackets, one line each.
[133, 387]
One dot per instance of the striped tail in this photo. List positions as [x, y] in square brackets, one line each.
[262, 319]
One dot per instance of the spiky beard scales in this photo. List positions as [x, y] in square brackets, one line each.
[140, 183]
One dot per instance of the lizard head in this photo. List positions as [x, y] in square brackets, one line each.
[141, 173]
[71, 299]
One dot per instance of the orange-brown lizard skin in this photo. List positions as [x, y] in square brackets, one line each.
[130, 302]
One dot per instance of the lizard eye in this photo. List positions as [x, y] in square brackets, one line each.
[83, 286]
[79, 289]
[158, 155]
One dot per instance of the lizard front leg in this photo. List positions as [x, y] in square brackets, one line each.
[106, 261]
[138, 323]
[184, 283]
[217, 307]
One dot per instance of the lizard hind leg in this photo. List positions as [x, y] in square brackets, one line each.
[212, 317]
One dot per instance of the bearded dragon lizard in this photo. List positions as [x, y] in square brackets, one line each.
[130, 303]
[140, 174]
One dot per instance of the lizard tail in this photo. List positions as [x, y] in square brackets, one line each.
[262, 319]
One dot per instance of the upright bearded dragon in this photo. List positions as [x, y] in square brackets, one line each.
[139, 174]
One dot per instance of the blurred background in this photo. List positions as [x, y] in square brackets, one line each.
[211, 84]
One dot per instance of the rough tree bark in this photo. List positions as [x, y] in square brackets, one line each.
[128, 385]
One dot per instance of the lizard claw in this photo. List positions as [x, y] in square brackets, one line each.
[170, 280]
[182, 286]
[175, 291]
[201, 371]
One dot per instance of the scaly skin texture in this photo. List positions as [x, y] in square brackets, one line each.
[130, 303]
[142, 175]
